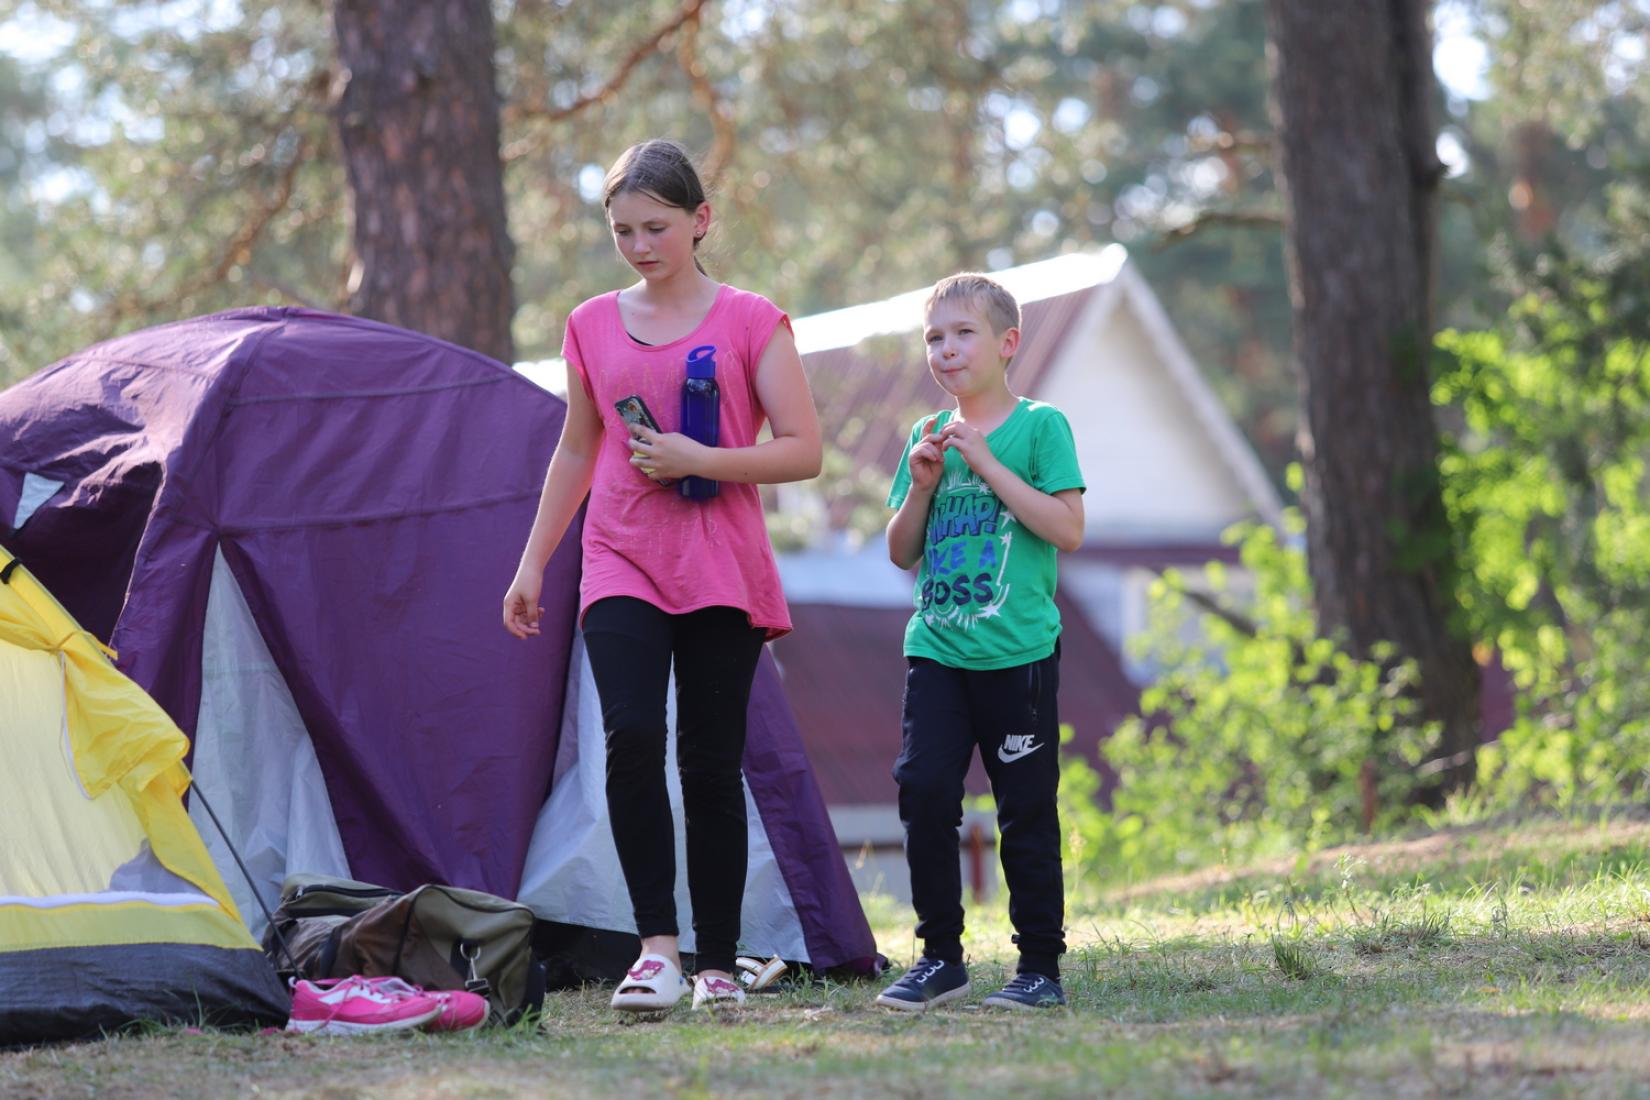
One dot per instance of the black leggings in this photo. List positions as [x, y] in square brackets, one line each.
[631, 645]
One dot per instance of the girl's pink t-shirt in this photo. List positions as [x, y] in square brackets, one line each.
[646, 540]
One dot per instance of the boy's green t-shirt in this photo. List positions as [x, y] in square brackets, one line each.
[985, 588]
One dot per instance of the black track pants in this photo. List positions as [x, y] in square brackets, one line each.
[1011, 715]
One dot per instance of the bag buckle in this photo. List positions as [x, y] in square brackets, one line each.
[471, 951]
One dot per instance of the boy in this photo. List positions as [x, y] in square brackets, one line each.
[986, 494]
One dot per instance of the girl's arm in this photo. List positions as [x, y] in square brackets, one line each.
[793, 454]
[566, 484]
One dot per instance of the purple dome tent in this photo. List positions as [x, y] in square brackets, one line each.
[295, 529]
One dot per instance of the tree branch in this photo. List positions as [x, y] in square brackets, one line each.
[522, 112]
[240, 247]
[1226, 142]
[704, 93]
[1237, 621]
[1258, 219]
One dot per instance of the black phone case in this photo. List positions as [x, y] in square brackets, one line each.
[633, 410]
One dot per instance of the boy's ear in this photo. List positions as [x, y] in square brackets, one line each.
[1010, 344]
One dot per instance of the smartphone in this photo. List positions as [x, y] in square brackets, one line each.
[633, 410]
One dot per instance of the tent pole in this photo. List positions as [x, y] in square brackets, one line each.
[253, 886]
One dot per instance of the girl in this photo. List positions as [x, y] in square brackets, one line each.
[667, 578]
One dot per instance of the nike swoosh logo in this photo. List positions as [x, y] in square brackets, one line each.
[1010, 757]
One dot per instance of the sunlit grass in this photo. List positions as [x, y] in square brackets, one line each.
[1511, 960]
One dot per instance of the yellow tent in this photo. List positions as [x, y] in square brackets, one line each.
[111, 910]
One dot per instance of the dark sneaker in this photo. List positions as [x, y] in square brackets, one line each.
[929, 983]
[1027, 992]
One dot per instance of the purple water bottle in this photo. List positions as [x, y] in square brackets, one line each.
[701, 413]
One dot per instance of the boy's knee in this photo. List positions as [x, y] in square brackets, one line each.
[937, 803]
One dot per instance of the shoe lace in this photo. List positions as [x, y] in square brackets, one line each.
[924, 969]
[1025, 983]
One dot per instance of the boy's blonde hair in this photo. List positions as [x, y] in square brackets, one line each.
[983, 293]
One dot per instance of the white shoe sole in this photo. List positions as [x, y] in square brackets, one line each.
[648, 1002]
[1016, 1006]
[923, 1006]
[344, 1027]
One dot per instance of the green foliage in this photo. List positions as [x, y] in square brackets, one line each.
[170, 157]
[1296, 959]
[1258, 735]
[1545, 478]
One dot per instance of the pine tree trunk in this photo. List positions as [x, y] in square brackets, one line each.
[1352, 84]
[418, 122]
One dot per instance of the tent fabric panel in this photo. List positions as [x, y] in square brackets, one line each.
[431, 724]
[799, 828]
[58, 840]
[254, 761]
[89, 924]
[158, 636]
[117, 736]
[84, 992]
[36, 491]
[318, 428]
[85, 552]
[312, 354]
[106, 422]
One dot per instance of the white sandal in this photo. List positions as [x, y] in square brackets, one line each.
[757, 975]
[652, 984]
[709, 992]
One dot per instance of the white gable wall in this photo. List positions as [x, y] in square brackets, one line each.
[1154, 473]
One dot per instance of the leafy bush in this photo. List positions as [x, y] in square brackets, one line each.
[1259, 735]
[1545, 479]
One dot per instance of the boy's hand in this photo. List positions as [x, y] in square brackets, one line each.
[970, 442]
[927, 460]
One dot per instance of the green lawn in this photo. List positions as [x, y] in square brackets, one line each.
[1496, 961]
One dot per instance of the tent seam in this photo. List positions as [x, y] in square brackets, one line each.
[230, 530]
[434, 387]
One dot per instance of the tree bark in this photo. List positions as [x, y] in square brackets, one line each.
[1352, 84]
[418, 123]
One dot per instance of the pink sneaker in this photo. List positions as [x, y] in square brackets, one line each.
[460, 1010]
[355, 1006]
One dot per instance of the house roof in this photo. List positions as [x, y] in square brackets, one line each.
[844, 675]
[870, 379]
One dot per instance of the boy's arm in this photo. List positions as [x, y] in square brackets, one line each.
[1056, 518]
[915, 484]
[909, 527]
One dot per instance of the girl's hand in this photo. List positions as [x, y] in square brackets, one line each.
[521, 606]
[665, 456]
[927, 460]
[970, 442]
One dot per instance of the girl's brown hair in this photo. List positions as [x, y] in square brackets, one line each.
[661, 170]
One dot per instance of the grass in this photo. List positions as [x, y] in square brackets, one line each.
[1501, 961]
